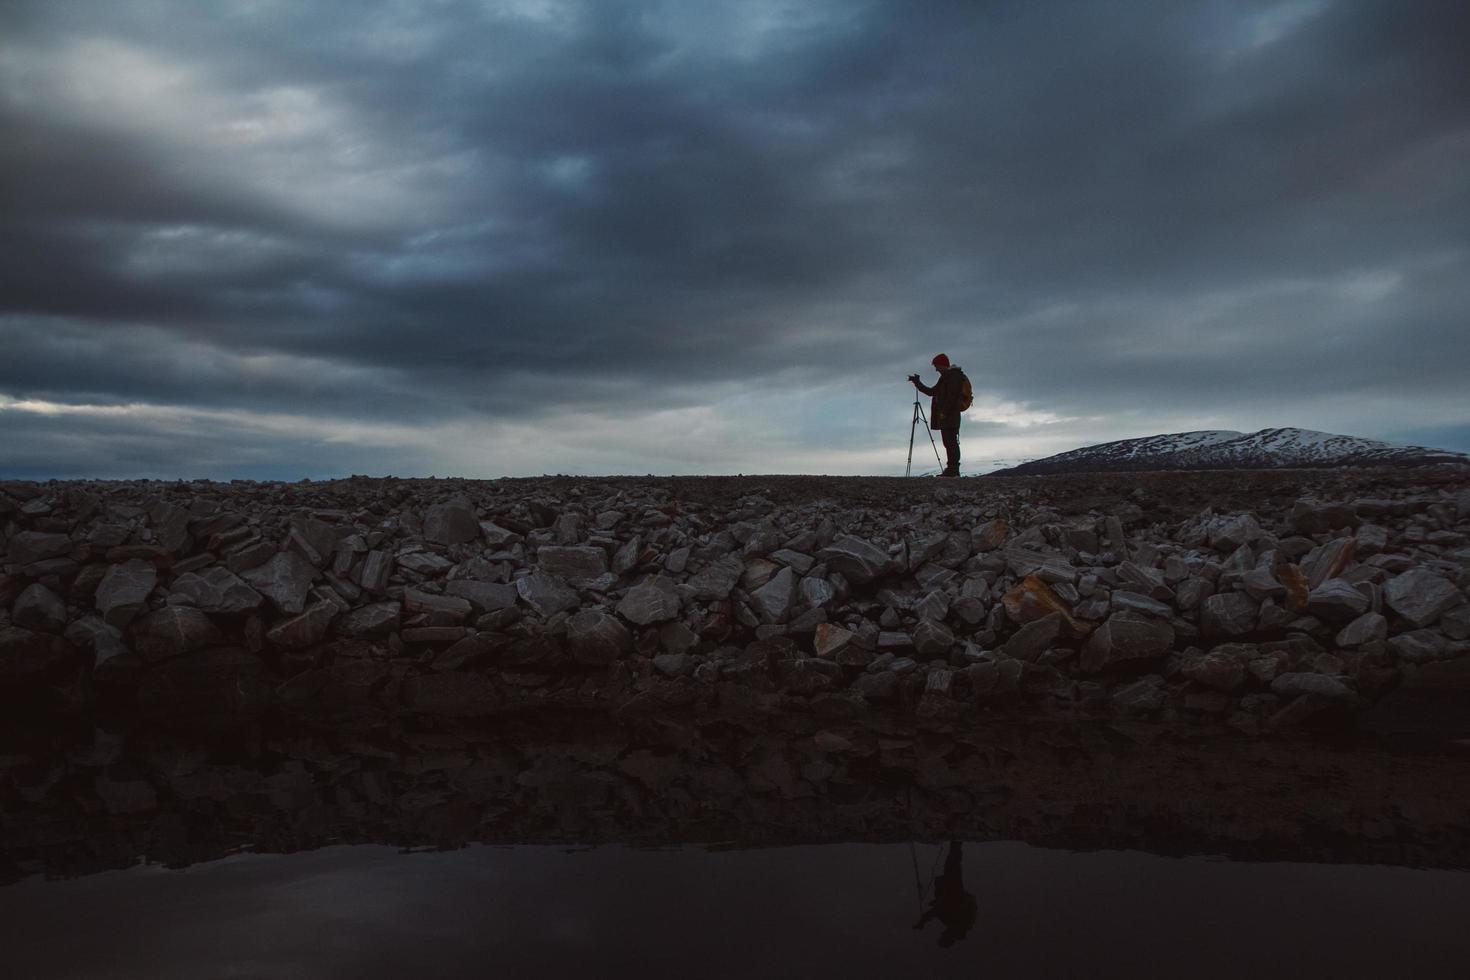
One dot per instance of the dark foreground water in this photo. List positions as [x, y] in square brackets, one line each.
[845, 910]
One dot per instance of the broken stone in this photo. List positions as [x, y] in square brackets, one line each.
[1329, 561]
[1143, 696]
[305, 630]
[174, 631]
[595, 637]
[654, 600]
[717, 579]
[376, 567]
[217, 590]
[374, 619]
[1292, 685]
[284, 580]
[773, 601]
[484, 596]
[424, 563]
[1420, 596]
[451, 522]
[990, 535]
[1034, 638]
[1123, 601]
[39, 608]
[546, 593]
[123, 591]
[932, 639]
[575, 564]
[1126, 638]
[830, 640]
[27, 547]
[1336, 601]
[446, 610]
[859, 561]
[1228, 614]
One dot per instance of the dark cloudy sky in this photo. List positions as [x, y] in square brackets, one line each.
[263, 238]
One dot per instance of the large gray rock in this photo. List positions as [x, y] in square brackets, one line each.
[1126, 639]
[445, 610]
[595, 637]
[374, 619]
[1421, 646]
[27, 547]
[451, 522]
[1228, 533]
[1337, 601]
[1297, 684]
[284, 580]
[376, 567]
[37, 607]
[547, 594]
[932, 639]
[91, 633]
[1222, 669]
[305, 630]
[1420, 596]
[484, 596]
[1124, 601]
[773, 601]
[1033, 639]
[717, 579]
[123, 591]
[217, 590]
[1228, 614]
[1367, 628]
[859, 561]
[654, 600]
[579, 563]
[174, 631]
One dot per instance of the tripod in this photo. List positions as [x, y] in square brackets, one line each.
[920, 416]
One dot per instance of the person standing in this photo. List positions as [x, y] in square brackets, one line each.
[949, 397]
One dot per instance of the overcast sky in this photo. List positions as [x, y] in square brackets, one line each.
[271, 239]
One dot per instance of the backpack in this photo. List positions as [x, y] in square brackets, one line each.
[967, 394]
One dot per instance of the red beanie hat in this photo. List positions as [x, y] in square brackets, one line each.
[940, 361]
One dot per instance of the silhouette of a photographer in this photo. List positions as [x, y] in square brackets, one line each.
[952, 905]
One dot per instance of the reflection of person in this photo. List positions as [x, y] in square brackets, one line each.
[952, 905]
[946, 403]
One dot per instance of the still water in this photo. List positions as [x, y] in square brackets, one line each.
[994, 909]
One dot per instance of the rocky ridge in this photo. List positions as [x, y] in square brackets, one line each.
[1221, 449]
[1261, 606]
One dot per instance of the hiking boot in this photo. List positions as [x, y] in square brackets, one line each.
[948, 472]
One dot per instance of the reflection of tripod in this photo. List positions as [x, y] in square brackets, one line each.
[920, 416]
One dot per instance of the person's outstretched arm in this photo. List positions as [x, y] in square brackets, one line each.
[925, 388]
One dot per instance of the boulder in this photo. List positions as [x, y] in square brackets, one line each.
[123, 591]
[654, 600]
[829, 639]
[373, 619]
[717, 579]
[1126, 639]
[443, 610]
[1420, 596]
[1229, 533]
[859, 561]
[484, 596]
[1034, 638]
[1329, 561]
[1421, 646]
[932, 639]
[451, 522]
[306, 630]
[576, 564]
[1228, 614]
[28, 547]
[216, 590]
[547, 594]
[173, 631]
[990, 535]
[37, 607]
[773, 601]
[1367, 628]
[284, 580]
[1222, 669]
[595, 637]
[1124, 601]
[1337, 601]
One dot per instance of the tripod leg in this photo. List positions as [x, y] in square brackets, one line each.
[907, 470]
[919, 413]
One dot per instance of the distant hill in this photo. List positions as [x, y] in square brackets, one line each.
[1222, 449]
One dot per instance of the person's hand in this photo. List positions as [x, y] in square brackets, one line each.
[913, 379]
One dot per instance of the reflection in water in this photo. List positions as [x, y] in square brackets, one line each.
[952, 905]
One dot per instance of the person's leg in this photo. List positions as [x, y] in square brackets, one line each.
[951, 449]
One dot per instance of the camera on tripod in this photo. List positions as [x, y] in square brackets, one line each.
[914, 378]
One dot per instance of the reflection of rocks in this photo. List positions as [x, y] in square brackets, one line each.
[1174, 597]
[83, 801]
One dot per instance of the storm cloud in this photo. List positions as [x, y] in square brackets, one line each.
[480, 238]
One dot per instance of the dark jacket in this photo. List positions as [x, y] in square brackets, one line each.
[944, 403]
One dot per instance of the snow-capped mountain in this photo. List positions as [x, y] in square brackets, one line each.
[1222, 449]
